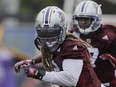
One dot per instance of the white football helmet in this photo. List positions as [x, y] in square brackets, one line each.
[88, 9]
[51, 25]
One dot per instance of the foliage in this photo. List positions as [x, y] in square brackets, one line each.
[29, 8]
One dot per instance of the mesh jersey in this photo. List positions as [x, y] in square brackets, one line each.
[88, 77]
[104, 39]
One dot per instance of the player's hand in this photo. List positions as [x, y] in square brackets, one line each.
[23, 64]
[109, 57]
[35, 72]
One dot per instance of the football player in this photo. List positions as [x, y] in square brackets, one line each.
[65, 57]
[87, 26]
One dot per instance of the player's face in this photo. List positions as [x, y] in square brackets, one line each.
[51, 41]
[84, 22]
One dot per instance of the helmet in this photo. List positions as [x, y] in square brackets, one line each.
[88, 9]
[51, 25]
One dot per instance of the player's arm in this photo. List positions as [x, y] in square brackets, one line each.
[23, 63]
[68, 77]
[111, 54]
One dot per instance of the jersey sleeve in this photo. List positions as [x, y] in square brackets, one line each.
[69, 76]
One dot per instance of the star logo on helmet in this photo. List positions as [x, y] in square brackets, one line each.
[61, 16]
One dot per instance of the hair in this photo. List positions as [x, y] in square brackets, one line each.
[74, 38]
[47, 56]
[84, 44]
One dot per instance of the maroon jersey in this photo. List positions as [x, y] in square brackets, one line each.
[104, 39]
[88, 77]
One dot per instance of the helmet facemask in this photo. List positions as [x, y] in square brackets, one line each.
[86, 28]
[51, 25]
[50, 37]
[88, 9]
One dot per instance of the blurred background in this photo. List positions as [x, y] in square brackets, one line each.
[17, 33]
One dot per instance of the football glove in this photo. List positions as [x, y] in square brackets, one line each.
[23, 64]
[35, 72]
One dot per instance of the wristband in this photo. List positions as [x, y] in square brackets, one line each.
[33, 61]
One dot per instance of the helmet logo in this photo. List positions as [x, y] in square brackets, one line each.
[61, 16]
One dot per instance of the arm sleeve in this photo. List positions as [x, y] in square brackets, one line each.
[69, 76]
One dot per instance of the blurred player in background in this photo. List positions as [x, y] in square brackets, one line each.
[7, 59]
[7, 56]
[65, 57]
[87, 25]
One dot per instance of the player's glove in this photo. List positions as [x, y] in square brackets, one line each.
[35, 72]
[23, 64]
[105, 56]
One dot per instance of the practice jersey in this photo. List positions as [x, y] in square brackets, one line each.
[103, 40]
[72, 49]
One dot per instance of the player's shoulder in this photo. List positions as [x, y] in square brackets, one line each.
[109, 27]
